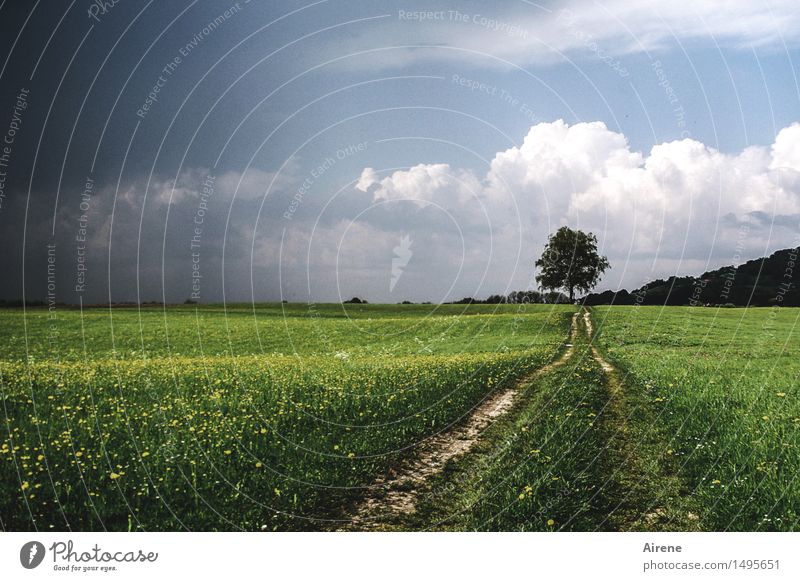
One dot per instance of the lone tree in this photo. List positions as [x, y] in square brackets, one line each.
[570, 261]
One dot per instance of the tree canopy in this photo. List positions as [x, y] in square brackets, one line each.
[570, 261]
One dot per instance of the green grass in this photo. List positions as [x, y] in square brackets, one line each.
[237, 418]
[724, 388]
[540, 469]
[696, 430]
[562, 462]
[276, 417]
[272, 329]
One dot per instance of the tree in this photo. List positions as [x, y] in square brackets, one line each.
[570, 261]
[356, 301]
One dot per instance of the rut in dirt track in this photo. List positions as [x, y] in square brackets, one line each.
[639, 494]
[396, 493]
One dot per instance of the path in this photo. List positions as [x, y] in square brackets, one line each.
[637, 486]
[396, 493]
[634, 490]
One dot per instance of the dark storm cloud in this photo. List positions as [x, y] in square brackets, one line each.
[225, 150]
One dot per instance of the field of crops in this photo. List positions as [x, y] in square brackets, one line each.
[214, 418]
[723, 387]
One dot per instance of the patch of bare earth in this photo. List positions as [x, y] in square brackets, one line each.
[396, 493]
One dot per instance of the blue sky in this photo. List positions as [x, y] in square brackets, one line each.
[334, 131]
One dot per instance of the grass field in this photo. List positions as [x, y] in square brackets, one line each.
[237, 418]
[278, 417]
[724, 388]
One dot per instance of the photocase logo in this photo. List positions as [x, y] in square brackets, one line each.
[31, 554]
[402, 254]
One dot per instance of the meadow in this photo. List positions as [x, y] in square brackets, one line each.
[280, 416]
[238, 418]
[722, 387]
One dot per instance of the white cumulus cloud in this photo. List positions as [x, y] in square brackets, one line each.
[655, 213]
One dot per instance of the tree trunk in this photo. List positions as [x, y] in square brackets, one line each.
[572, 294]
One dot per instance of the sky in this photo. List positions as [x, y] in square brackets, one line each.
[422, 151]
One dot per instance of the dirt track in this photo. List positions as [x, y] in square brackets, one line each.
[396, 493]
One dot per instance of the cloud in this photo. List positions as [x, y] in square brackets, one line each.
[251, 184]
[255, 183]
[650, 24]
[785, 153]
[682, 207]
[423, 183]
[529, 34]
[672, 208]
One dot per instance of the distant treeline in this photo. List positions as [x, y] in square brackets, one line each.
[514, 298]
[517, 298]
[773, 280]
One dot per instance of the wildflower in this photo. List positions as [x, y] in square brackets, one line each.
[114, 475]
[550, 522]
